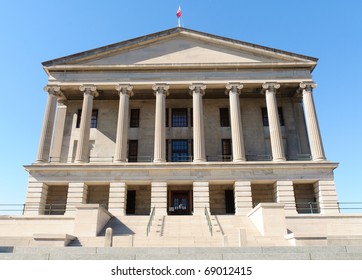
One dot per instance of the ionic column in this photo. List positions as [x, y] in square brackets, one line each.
[56, 153]
[48, 123]
[120, 154]
[233, 89]
[197, 91]
[85, 123]
[314, 135]
[276, 139]
[161, 91]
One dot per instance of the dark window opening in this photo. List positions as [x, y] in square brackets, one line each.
[135, 118]
[179, 150]
[179, 117]
[224, 117]
[167, 118]
[132, 150]
[226, 149]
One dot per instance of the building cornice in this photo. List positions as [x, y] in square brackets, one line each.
[184, 165]
[178, 66]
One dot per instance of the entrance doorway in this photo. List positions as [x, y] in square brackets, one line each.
[131, 202]
[229, 202]
[180, 203]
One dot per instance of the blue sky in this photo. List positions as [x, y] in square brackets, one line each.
[35, 31]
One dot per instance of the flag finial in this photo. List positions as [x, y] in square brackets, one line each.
[179, 14]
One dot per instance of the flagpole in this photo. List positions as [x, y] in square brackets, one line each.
[178, 14]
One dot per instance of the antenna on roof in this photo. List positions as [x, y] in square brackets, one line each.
[179, 14]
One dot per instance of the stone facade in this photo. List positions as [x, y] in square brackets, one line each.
[182, 122]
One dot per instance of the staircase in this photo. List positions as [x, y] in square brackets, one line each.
[181, 231]
[230, 226]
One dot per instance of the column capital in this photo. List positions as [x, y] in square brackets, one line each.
[89, 89]
[308, 86]
[197, 87]
[271, 86]
[237, 87]
[55, 90]
[161, 88]
[125, 89]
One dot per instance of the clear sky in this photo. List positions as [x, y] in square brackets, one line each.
[35, 31]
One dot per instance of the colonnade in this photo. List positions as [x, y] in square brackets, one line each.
[161, 91]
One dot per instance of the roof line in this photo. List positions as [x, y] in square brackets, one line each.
[164, 33]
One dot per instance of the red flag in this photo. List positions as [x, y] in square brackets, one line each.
[179, 13]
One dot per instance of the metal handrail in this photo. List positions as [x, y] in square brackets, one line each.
[47, 208]
[151, 219]
[208, 220]
[181, 158]
[220, 158]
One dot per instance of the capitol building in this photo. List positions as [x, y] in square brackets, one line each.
[181, 139]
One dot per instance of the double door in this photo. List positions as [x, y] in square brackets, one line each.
[180, 203]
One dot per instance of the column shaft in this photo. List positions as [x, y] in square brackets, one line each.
[56, 152]
[314, 135]
[198, 90]
[48, 123]
[85, 124]
[161, 91]
[236, 125]
[120, 154]
[276, 139]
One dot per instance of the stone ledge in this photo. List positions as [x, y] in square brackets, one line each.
[306, 239]
[54, 240]
[344, 240]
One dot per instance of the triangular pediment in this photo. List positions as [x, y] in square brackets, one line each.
[180, 46]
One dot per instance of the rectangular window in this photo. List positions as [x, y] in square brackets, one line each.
[224, 117]
[135, 118]
[166, 117]
[264, 112]
[226, 149]
[191, 117]
[132, 150]
[179, 117]
[94, 118]
[179, 150]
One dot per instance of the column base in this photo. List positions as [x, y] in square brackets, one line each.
[239, 160]
[119, 161]
[279, 159]
[319, 159]
[159, 161]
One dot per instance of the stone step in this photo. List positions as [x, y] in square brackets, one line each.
[186, 253]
